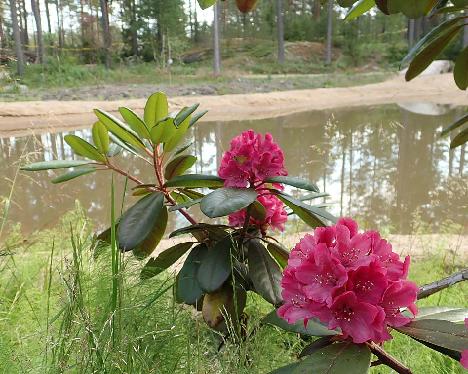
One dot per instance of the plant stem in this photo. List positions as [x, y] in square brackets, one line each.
[387, 359]
[432, 288]
[124, 173]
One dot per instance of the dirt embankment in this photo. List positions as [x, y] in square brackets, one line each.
[22, 118]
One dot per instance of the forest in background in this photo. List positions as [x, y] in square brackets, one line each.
[293, 36]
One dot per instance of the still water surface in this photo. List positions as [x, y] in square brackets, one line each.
[385, 165]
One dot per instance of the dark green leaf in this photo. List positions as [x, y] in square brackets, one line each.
[192, 193]
[187, 288]
[75, 173]
[181, 130]
[430, 36]
[182, 149]
[257, 210]
[444, 313]
[279, 253]
[55, 164]
[411, 8]
[455, 125]
[460, 139]
[448, 335]
[120, 144]
[178, 166]
[316, 345]
[163, 131]
[460, 72]
[314, 326]
[195, 181]
[218, 231]
[119, 129]
[215, 267]
[184, 114]
[338, 358]
[164, 260]
[147, 246]
[295, 182]
[101, 137]
[83, 148]
[361, 7]
[137, 222]
[156, 109]
[264, 272]
[224, 201]
[424, 58]
[135, 122]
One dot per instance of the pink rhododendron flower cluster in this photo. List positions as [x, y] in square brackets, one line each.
[251, 160]
[275, 216]
[348, 280]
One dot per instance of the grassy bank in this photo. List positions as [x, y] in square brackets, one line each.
[61, 310]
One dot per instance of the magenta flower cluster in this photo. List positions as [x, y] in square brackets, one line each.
[249, 162]
[348, 280]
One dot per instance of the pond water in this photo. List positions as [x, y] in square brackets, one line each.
[385, 165]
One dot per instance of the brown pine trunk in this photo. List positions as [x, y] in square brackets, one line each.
[24, 24]
[106, 31]
[280, 31]
[133, 27]
[17, 37]
[40, 40]
[47, 11]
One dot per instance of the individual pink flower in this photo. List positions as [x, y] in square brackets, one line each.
[275, 216]
[348, 280]
[251, 160]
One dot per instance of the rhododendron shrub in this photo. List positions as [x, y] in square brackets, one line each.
[348, 280]
[348, 288]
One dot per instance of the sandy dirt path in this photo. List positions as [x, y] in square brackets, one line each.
[23, 118]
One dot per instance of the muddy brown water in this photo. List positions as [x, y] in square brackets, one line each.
[384, 165]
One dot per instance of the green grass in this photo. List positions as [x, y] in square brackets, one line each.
[63, 310]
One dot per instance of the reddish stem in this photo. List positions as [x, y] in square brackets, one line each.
[387, 359]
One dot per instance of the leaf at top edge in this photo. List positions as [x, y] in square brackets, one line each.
[361, 7]
[83, 148]
[55, 164]
[135, 122]
[156, 109]
[178, 166]
[295, 182]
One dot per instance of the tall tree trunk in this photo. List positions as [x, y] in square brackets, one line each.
[216, 40]
[280, 31]
[24, 15]
[134, 27]
[59, 27]
[47, 11]
[328, 53]
[17, 38]
[106, 31]
[316, 8]
[2, 33]
[40, 40]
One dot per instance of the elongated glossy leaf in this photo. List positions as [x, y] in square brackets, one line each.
[279, 253]
[187, 288]
[183, 149]
[187, 204]
[448, 335]
[460, 139]
[156, 109]
[459, 122]
[257, 210]
[195, 181]
[163, 131]
[196, 117]
[224, 201]
[83, 148]
[460, 72]
[75, 173]
[147, 246]
[164, 260]
[117, 142]
[311, 215]
[315, 346]
[184, 114]
[137, 222]
[181, 130]
[338, 358]
[314, 326]
[361, 7]
[101, 137]
[444, 313]
[135, 122]
[178, 166]
[313, 196]
[56, 164]
[295, 182]
[215, 267]
[119, 129]
[192, 193]
[217, 231]
[411, 8]
[204, 4]
[264, 272]
[424, 58]
[430, 36]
